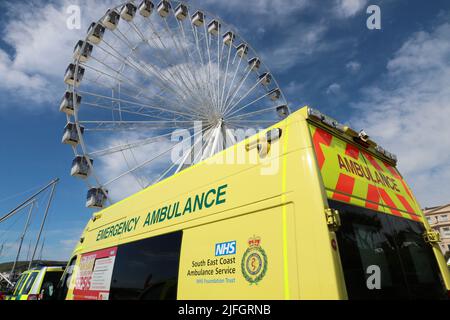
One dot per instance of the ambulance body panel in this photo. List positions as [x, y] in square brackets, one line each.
[243, 224]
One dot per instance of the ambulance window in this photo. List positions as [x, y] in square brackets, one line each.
[29, 283]
[147, 269]
[364, 241]
[20, 282]
[406, 264]
[419, 263]
[53, 277]
[63, 285]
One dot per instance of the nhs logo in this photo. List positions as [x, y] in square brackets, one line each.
[225, 248]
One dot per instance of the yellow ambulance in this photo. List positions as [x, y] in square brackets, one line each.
[306, 209]
[38, 283]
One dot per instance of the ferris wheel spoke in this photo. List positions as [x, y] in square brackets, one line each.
[132, 95]
[219, 58]
[207, 41]
[242, 97]
[122, 78]
[146, 162]
[237, 90]
[191, 58]
[136, 124]
[231, 112]
[172, 82]
[127, 111]
[181, 71]
[140, 93]
[250, 122]
[223, 102]
[189, 73]
[178, 162]
[225, 75]
[164, 82]
[250, 114]
[206, 85]
[209, 136]
[136, 103]
[127, 146]
[171, 65]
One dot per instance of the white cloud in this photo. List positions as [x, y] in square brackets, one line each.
[409, 112]
[273, 11]
[353, 67]
[300, 43]
[333, 89]
[348, 8]
[42, 45]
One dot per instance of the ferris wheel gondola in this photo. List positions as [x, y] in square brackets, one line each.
[138, 76]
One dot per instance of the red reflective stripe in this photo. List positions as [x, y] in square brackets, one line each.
[321, 137]
[344, 185]
[373, 197]
[415, 217]
[373, 162]
[393, 171]
[352, 151]
[405, 203]
[407, 189]
[389, 202]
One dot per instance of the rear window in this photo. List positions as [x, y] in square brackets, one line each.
[53, 277]
[407, 265]
[29, 283]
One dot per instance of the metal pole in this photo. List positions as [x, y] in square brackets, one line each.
[22, 237]
[26, 202]
[28, 251]
[42, 249]
[43, 221]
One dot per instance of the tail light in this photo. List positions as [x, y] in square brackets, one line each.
[33, 297]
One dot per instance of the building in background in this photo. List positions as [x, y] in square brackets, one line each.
[439, 219]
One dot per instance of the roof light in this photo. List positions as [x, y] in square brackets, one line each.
[330, 122]
[386, 153]
[363, 136]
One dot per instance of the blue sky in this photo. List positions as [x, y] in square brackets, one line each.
[393, 82]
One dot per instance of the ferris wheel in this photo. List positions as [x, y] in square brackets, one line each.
[145, 70]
